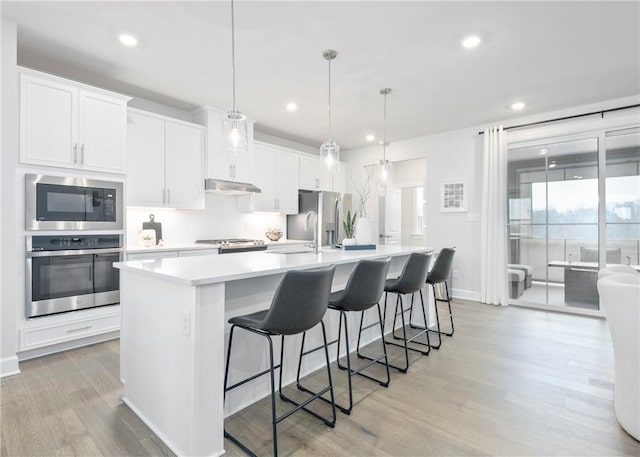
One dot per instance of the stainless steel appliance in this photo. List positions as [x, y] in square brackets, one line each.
[67, 273]
[230, 187]
[59, 203]
[331, 208]
[229, 246]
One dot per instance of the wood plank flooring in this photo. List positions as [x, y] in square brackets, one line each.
[512, 381]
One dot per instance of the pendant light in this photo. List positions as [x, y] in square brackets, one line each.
[234, 122]
[330, 151]
[385, 166]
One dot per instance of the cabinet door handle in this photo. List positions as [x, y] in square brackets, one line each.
[231, 171]
[234, 170]
[75, 153]
[168, 196]
[82, 154]
[164, 193]
[79, 329]
[317, 183]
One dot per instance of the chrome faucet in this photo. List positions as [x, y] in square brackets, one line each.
[314, 216]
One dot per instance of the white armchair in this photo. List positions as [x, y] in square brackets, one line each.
[620, 301]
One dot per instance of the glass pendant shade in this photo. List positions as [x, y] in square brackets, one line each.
[235, 134]
[384, 171]
[330, 155]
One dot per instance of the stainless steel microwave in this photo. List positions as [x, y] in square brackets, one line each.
[69, 203]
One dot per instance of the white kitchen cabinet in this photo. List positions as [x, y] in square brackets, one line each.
[165, 162]
[220, 163]
[197, 252]
[170, 253]
[65, 328]
[276, 174]
[152, 255]
[71, 125]
[315, 176]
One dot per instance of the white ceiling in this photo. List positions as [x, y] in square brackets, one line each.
[551, 55]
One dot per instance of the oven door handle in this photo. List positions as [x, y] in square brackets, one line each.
[72, 252]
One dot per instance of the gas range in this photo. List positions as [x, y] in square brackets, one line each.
[230, 245]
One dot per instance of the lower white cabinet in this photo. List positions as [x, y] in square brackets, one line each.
[165, 162]
[276, 174]
[68, 327]
[167, 254]
[151, 255]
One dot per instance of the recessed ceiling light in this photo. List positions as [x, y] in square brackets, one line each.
[543, 151]
[128, 40]
[470, 42]
[370, 137]
[292, 107]
[552, 165]
[518, 106]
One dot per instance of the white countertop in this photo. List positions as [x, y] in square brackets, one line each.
[196, 271]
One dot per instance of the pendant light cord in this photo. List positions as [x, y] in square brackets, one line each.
[384, 131]
[330, 136]
[233, 55]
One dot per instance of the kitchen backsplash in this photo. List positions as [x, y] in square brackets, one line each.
[219, 219]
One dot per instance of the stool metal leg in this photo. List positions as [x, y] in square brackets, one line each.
[384, 349]
[412, 339]
[272, 367]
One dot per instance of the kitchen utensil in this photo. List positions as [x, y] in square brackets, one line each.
[153, 225]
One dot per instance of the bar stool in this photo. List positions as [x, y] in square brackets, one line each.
[363, 291]
[299, 304]
[438, 275]
[410, 281]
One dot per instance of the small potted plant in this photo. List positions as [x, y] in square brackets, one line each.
[147, 240]
[349, 225]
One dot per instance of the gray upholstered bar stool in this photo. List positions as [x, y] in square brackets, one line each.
[299, 304]
[410, 281]
[438, 275]
[362, 292]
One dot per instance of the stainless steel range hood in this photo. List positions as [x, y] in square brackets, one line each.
[230, 187]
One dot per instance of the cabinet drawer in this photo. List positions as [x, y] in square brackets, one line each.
[152, 255]
[46, 335]
[197, 252]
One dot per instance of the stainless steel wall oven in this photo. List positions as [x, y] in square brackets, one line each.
[68, 203]
[67, 273]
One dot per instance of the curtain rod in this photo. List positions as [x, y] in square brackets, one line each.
[601, 113]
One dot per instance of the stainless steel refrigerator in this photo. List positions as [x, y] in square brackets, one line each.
[331, 208]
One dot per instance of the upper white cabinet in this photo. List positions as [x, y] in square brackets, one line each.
[276, 174]
[71, 125]
[220, 163]
[315, 176]
[165, 162]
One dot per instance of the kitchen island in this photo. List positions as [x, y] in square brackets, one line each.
[174, 333]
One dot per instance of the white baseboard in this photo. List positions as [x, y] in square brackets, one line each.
[466, 294]
[52, 349]
[9, 366]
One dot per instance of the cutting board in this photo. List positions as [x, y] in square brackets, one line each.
[153, 225]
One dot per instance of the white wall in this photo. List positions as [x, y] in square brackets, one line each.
[9, 295]
[219, 219]
[458, 155]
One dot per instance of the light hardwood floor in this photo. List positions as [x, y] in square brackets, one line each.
[511, 381]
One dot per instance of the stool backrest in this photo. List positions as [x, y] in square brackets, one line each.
[442, 266]
[365, 285]
[300, 301]
[414, 272]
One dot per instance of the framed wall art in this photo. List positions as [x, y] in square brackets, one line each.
[454, 196]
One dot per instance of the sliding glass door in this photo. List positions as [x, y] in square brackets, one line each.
[561, 230]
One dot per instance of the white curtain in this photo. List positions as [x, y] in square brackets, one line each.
[494, 287]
